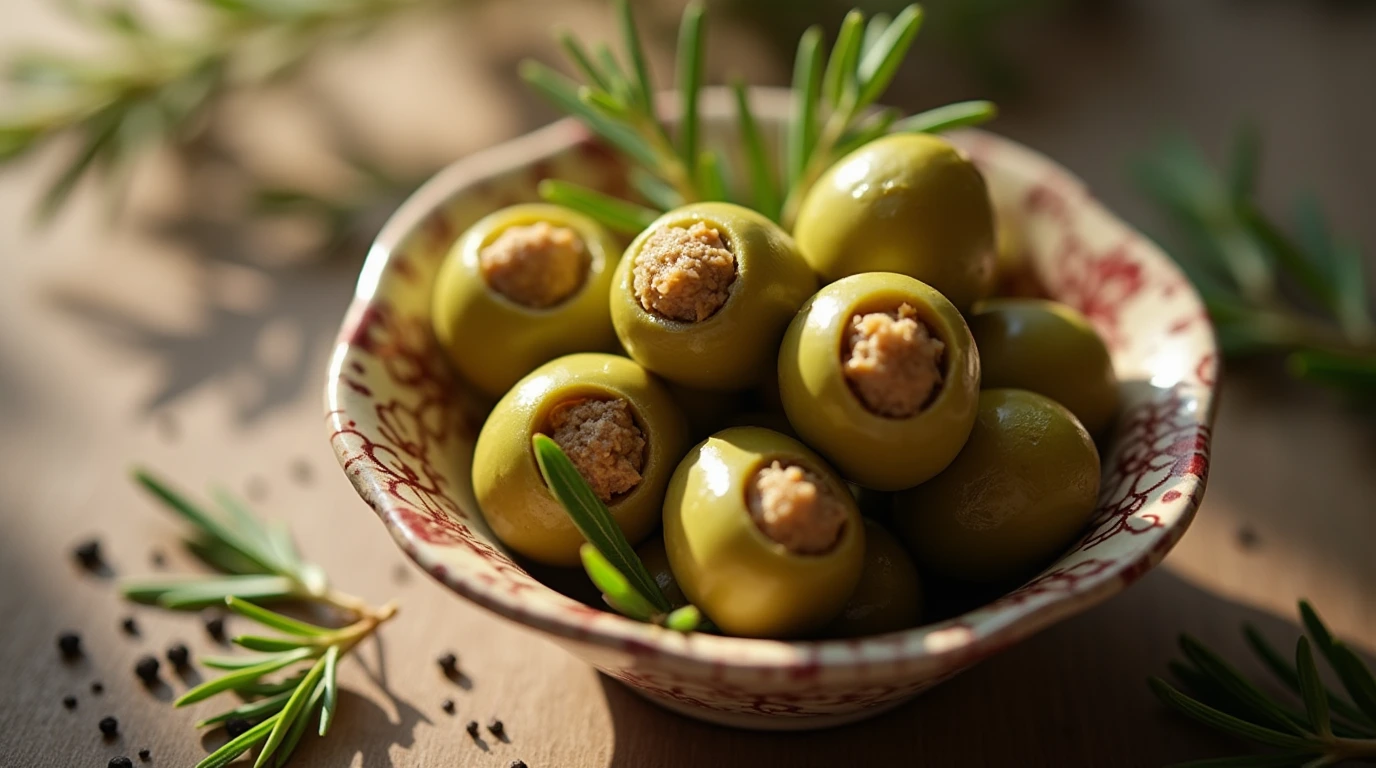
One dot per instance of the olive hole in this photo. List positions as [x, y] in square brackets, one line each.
[538, 265]
[684, 273]
[893, 362]
[796, 507]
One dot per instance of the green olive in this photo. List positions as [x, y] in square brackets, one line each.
[1018, 494]
[906, 203]
[514, 499]
[656, 561]
[883, 452]
[730, 343]
[889, 595]
[706, 411]
[1048, 348]
[494, 339]
[746, 580]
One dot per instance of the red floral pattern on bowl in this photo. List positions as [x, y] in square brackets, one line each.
[403, 428]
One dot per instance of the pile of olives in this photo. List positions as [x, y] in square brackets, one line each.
[737, 395]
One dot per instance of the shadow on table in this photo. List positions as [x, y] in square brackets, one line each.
[1074, 695]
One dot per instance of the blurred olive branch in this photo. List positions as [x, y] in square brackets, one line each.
[1269, 289]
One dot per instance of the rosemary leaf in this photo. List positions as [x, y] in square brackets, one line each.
[273, 619]
[616, 590]
[564, 93]
[1355, 373]
[223, 557]
[713, 176]
[260, 688]
[656, 190]
[949, 117]
[103, 132]
[880, 63]
[294, 709]
[807, 85]
[1225, 722]
[1242, 170]
[298, 728]
[874, 127]
[1317, 630]
[1220, 671]
[270, 644]
[245, 524]
[1282, 669]
[1288, 255]
[763, 182]
[839, 80]
[592, 519]
[239, 745]
[248, 587]
[615, 75]
[1356, 678]
[616, 214]
[204, 521]
[685, 619]
[635, 52]
[251, 710]
[610, 106]
[1311, 687]
[874, 30]
[234, 679]
[691, 45]
[579, 56]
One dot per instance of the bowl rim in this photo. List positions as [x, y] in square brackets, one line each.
[947, 645]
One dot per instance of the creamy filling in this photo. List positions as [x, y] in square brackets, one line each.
[536, 265]
[602, 440]
[684, 273]
[796, 508]
[892, 361]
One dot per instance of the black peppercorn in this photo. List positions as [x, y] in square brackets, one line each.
[70, 644]
[121, 762]
[518, 764]
[215, 627]
[178, 655]
[88, 554]
[145, 755]
[472, 728]
[236, 727]
[129, 626]
[147, 670]
[69, 702]
[496, 727]
[449, 663]
[109, 726]
[448, 706]
[97, 688]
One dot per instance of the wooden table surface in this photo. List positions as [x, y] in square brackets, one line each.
[178, 340]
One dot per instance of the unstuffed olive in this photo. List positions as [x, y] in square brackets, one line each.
[521, 287]
[879, 373]
[906, 203]
[1018, 494]
[762, 535]
[656, 561]
[1048, 348]
[702, 296]
[889, 595]
[615, 421]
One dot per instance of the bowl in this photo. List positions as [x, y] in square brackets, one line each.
[403, 427]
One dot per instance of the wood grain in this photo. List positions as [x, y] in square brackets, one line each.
[183, 342]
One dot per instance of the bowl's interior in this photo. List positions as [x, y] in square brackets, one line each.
[403, 426]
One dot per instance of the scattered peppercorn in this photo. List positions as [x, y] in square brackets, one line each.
[179, 655]
[70, 644]
[69, 702]
[215, 627]
[97, 688]
[129, 626]
[448, 706]
[121, 762]
[145, 755]
[472, 728]
[236, 727]
[147, 670]
[449, 663]
[88, 554]
[518, 764]
[109, 726]
[496, 727]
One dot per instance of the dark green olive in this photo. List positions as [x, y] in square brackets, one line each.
[656, 561]
[889, 595]
[1018, 494]
[882, 433]
[906, 203]
[1048, 348]
[498, 317]
[519, 507]
[762, 535]
[703, 295]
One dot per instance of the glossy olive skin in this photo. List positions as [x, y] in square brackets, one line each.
[1018, 494]
[870, 450]
[656, 561]
[734, 348]
[889, 595]
[494, 341]
[906, 203]
[1048, 348]
[518, 506]
[747, 583]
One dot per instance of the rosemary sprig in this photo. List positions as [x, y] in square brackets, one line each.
[833, 113]
[608, 558]
[1328, 729]
[261, 563]
[1268, 292]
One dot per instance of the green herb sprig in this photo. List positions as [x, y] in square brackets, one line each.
[609, 559]
[1328, 729]
[834, 97]
[294, 675]
[1268, 291]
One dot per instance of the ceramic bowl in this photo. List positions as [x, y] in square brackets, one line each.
[403, 429]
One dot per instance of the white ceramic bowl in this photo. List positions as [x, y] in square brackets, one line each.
[403, 429]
